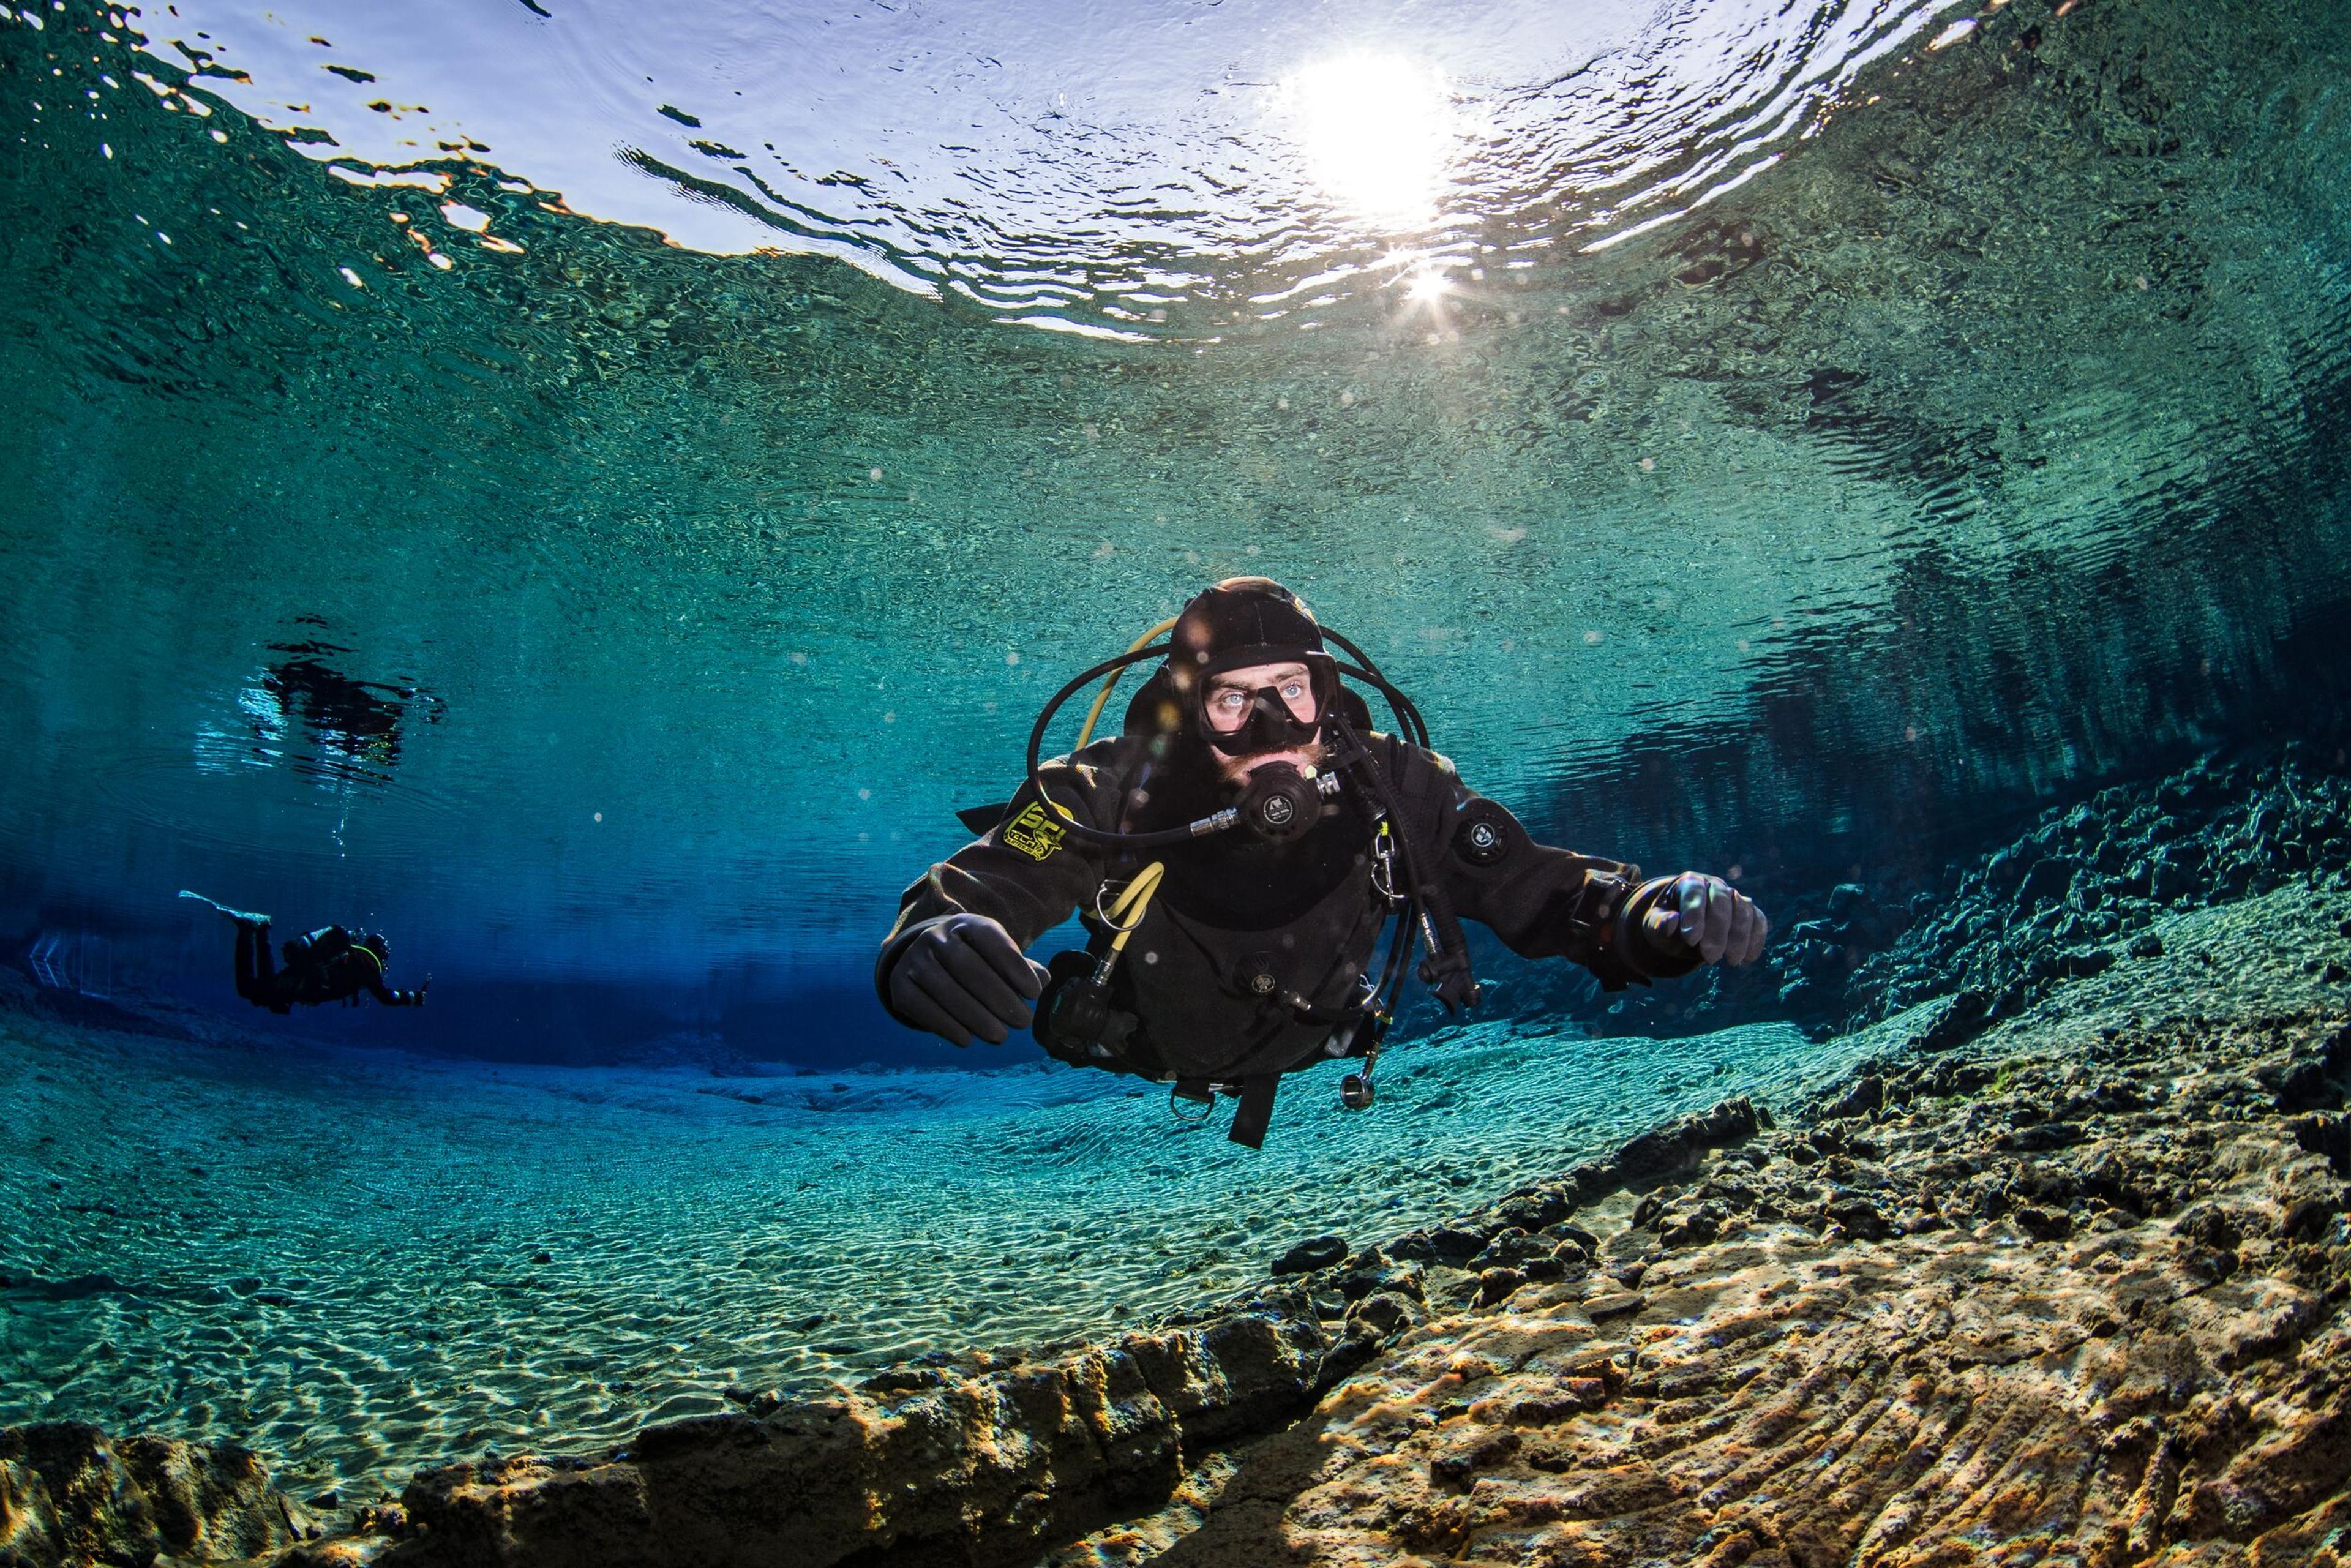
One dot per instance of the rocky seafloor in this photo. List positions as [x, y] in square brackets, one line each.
[2064, 1285]
[2075, 891]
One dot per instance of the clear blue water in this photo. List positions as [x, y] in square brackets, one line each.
[598, 513]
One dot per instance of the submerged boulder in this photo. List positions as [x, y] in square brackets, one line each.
[70, 1495]
[1321, 1253]
[984, 1470]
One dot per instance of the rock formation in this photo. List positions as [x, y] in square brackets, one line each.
[70, 1495]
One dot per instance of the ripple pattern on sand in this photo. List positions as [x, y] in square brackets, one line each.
[361, 1263]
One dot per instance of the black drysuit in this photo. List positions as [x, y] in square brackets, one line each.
[1241, 931]
[324, 967]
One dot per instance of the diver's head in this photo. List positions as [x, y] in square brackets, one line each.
[376, 943]
[1235, 709]
[1248, 666]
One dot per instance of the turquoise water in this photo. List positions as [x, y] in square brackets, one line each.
[598, 513]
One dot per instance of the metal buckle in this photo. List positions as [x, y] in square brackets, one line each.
[1383, 866]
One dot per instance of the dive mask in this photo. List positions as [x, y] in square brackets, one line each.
[1270, 722]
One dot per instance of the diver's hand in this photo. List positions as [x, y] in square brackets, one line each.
[966, 978]
[1708, 913]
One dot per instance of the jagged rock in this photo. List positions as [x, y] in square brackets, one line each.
[2303, 1083]
[1511, 1248]
[1448, 1244]
[1388, 1311]
[1357, 1349]
[2042, 910]
[1496, 1284]
[1321, 1253]
[1533, 1208]
[974, 1469]
[1866, 1097]
[1691, 1227]
[1671, 1147]
[70, 1495]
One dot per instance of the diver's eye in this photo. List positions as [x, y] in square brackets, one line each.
[1292, 692]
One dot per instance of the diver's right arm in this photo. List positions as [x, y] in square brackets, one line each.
[952, 965]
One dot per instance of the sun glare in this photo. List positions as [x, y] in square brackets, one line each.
[1377, 132]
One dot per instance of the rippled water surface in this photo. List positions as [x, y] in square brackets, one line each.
[592, 488]
[1112, 168]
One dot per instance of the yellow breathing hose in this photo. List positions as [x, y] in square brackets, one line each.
[1125, 912]
[1133, 900]
[1110, 683]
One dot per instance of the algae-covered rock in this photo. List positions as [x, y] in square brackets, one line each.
[70, 1495]
[967, 1469]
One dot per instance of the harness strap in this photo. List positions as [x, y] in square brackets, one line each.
[1256, 1113]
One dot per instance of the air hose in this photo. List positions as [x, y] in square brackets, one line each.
[1125, 912]
[1110, 683]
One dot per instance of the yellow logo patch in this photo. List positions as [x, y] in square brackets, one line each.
[1033, 834]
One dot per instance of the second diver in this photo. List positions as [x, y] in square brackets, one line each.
[328, 964]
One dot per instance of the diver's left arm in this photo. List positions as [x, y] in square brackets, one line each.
[1545, 902]
[391, 998]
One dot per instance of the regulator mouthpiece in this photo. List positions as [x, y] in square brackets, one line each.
[1282, 803]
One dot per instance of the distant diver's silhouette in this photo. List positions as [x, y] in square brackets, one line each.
[328, 964]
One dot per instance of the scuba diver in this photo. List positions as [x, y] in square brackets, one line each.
[328, 964]
[1234, 855]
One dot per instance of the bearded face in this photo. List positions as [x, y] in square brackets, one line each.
[1231, 699]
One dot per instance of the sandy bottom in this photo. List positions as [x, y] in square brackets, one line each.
[357, 1263]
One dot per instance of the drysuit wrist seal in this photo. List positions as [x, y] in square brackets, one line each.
[1625, 932]
[1592, 914]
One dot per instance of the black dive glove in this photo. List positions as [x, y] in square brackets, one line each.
[965, 978]
[1696, 912]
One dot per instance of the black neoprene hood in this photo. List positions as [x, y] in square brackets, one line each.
[1241, 621]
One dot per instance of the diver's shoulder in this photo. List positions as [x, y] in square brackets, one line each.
[1111, 760]
[1410, 759]
[1111, 750]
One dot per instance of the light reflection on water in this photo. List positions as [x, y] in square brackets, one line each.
[1140, 170]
